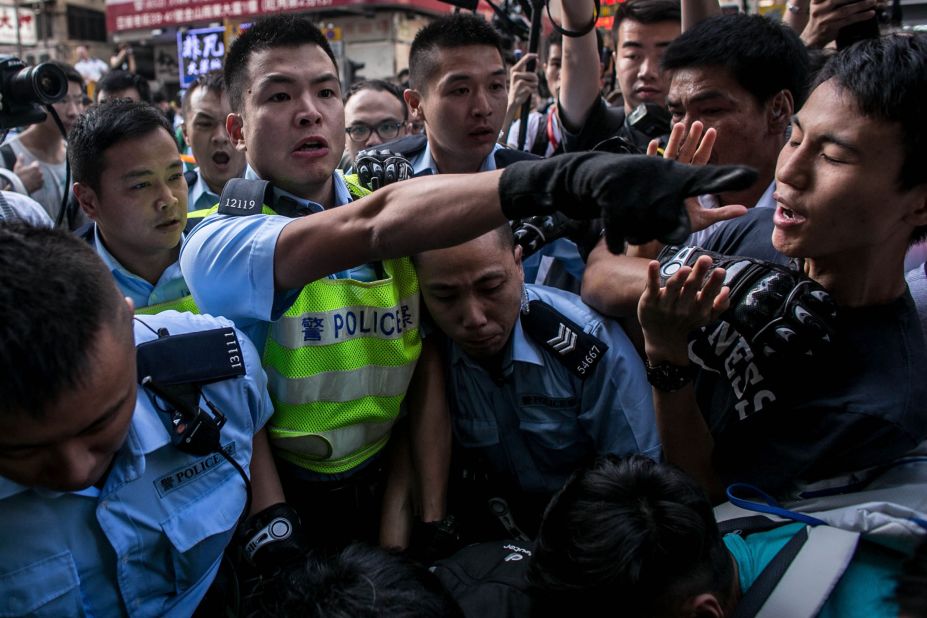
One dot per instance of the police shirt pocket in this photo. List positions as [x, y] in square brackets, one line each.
[49, 587]
[200, 531]
[551, 433]
[476, 433]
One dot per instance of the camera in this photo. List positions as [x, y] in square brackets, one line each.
[24, 90]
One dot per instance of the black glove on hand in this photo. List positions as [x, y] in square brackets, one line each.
[535, 232]
[640, 198]
[783, 314]
[377, 168]
[434, 540]
[273, 538]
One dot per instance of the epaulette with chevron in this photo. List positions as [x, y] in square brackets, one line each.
[577, 350]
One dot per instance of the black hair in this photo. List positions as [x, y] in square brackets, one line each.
[268, 33]
[630, 532]
[358, 582]
[214, 82]
[502, 235]
[103, 126]
[554, 38]
[449, 32]
[646, 12]
[379, 85]
[762, 55]
[69, 72]
[887, 78]
[117, 80]
[57, 295]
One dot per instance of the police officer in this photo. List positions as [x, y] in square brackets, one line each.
[298, 285]
[205, 107]
[458, 88]
[539, 383]
[458, 82]
[129, 181]
[115, 496]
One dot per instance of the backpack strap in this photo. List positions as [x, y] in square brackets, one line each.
[801, 576]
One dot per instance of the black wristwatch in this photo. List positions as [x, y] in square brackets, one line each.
[668, 377]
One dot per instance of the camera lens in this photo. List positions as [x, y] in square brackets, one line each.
[44, 83]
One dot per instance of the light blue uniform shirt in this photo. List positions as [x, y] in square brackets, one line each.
[170, 285]
[424, 162]
[544, 421]
[228, 262]
[200, 196]
[149, 542]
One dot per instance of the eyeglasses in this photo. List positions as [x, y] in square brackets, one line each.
[387, 129]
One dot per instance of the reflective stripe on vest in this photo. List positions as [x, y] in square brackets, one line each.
[337, 381]
[339, 362]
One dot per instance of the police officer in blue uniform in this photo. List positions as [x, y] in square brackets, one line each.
[458, 89]
[125, 443]
[538, 382]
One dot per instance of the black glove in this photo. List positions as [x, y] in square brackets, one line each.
[377, 168]
[781, 313]
[640, 198]
[434, 540]
[273, 538]
[535, 232]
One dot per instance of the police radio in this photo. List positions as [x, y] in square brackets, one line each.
[173, 370]
[208, 356]
[193, 431]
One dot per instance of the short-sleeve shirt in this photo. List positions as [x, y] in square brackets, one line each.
[91, 69]
[538, 421]
[149, 542]
[228, 262]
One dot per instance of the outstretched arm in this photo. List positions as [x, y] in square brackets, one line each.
[639, 198]
[400, 219]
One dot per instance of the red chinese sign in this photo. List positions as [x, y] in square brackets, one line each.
[140, 14]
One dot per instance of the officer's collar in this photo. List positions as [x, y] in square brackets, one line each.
[517, 350]
[427, 162]
[291, 205]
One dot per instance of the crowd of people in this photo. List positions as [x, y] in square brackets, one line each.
[377, 356]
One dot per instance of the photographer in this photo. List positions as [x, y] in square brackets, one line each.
[123, 59]
[37, 155]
